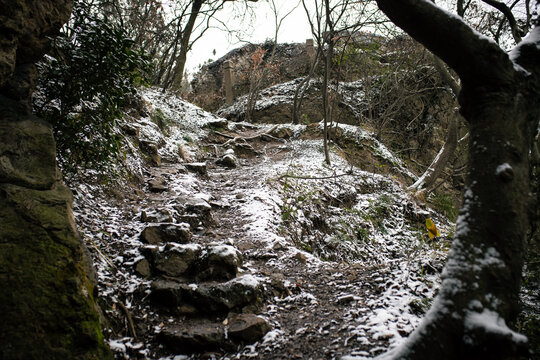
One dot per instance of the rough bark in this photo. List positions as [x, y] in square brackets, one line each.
[47, 299]
[328, 57]
[481, 280]
[185, 36]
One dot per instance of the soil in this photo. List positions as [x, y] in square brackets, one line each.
[317, 309]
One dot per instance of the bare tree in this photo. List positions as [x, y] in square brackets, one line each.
[499, 99]
[261, 67]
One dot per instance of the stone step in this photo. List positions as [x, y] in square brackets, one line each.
[242, 294]
[200, 335]
[194, 262]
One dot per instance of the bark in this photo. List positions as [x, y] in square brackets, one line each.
[427, 179]
[184, 44]
[481, 280]
[327, 69]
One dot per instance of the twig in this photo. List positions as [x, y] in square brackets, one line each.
[129, 319]
[105, 257]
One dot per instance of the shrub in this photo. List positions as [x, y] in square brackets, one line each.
[84, 79]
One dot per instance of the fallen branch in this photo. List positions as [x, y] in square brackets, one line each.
[233, 139]
[131, 326]
[348, 173]
[104, 257]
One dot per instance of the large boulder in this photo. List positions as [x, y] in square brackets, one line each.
[48, 297]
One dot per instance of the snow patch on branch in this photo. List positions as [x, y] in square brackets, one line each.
[503, 168]
[532, 39]
[462, 223]
[492, 323]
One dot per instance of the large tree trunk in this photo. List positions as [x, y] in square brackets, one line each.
[481, 281]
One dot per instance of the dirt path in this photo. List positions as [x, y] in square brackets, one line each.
[316, 309]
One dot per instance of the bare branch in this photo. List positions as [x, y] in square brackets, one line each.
[508, 15]
[450, 38]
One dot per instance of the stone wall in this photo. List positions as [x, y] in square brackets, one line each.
[48, 293]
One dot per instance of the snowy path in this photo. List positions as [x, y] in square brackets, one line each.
[317, 308]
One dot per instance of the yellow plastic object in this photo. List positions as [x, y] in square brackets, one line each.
[432, 229]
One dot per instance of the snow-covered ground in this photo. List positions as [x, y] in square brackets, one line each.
[348, 247]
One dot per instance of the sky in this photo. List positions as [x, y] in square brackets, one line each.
[294, 28]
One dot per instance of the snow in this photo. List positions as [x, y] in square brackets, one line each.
[272, 336]
[224, 251]
[247, 280]
[532, 39]
[492, 323]
[505, 167]
[462, 224]
[393, 252]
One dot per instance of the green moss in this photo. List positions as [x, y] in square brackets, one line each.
[48, 309]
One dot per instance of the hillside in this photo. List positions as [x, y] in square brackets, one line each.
[234, 240]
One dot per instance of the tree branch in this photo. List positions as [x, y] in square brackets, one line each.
[508, 15]
[475, 58]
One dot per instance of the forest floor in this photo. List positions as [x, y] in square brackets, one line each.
[341, 254]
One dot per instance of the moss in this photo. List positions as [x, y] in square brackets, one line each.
[49, 311]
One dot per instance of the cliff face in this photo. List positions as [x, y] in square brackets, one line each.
[290, 61]
[47, 298]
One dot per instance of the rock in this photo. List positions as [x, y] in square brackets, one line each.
[47, 301]
[233, 295]
[169, 293]
[158, 184]
[228, 161]
[247, 328]
[156, 216]
[192, 219]
[217, 124]
[201, 209]
[300, 257]
[176, 259]
[194, 337]
[282, 132]
[151, 149]
[209, 298]
[143, 268]
[245, 150]
[164, 233]
[199, 168]
[219, 263]
[27, 151]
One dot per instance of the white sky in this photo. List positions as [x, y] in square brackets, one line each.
[295, 28]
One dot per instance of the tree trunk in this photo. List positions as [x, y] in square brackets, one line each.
[329, 39]
[435, 169]
[481, 280]
[184, 45]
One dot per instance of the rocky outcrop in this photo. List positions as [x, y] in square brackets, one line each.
[290, 62]
[48, 293]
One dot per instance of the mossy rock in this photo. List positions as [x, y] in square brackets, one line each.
[47, 303]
